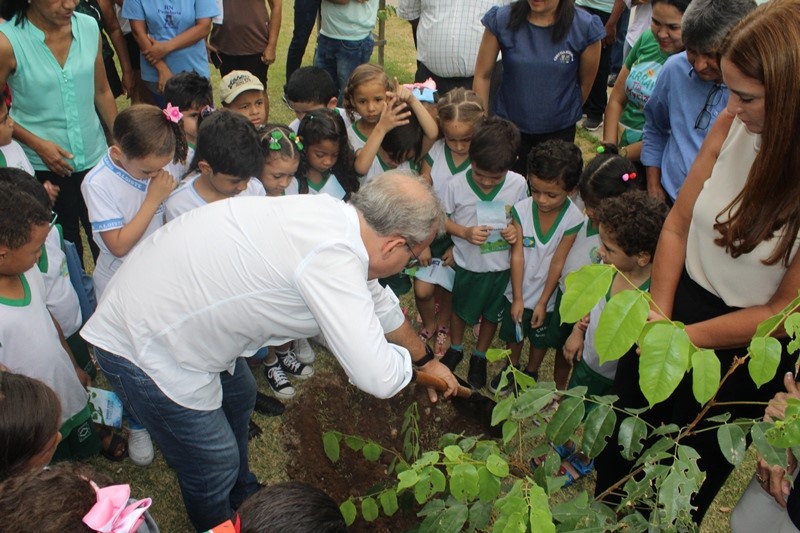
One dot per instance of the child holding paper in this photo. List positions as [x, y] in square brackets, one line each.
[478, 206]
[547, 223]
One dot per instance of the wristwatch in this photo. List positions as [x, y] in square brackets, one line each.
[427, 358]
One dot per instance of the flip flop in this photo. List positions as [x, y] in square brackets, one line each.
[117, 449]
[573, 468]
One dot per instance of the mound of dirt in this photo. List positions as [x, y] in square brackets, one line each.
[328, 403]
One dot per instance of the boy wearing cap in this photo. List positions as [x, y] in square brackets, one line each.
[243, 93]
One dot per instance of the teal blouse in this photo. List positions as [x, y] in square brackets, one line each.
[57, 103]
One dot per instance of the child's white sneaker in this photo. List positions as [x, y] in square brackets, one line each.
[140, 447]
[303, 351]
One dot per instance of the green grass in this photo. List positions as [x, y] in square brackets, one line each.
[268, 459]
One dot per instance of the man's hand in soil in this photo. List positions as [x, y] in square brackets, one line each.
[439, 370]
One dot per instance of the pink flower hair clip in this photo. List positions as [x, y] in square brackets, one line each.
[173, 113]
[627, 176]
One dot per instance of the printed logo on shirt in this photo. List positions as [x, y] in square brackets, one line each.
[564, 56]
[594, 255]
[641, 81]
[528, 242]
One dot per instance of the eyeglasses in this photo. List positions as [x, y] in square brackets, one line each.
[414, 262]
[712, 99]
[54, 219]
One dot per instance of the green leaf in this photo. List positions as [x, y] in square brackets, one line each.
[464, 482]
[634, 523]
[330, 442]
[540, 516]
[765, 356]
[354, 443]
[786, 433]
[438, 481]
[496, 354]
[423, 490]
[772, 455]
[664, 359]
[407, 479]
[598, 427]
[453, 452]
[585, 287]
[468, 443]
[792, 324]
[666, 429]
[480, 514]
[705, 375]
[497, 465]
[510, 429]
[428, 458]
[388, 500]
[453, 519]
[371, 451]
[369, 509]
[349, 512]
[489, 485]
[432, 507]
[722, 418]
[566, 420]
[502, 410]
[731, 441]
[632, 433]
[577, 507]
[530, 402]
[620, 323]
[769, 325]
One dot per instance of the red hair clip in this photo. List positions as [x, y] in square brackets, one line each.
[627, 176]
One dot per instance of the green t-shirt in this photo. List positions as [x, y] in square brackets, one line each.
[644, 63]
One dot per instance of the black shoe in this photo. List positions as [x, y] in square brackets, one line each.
[451, 358]
[253, 431]
[495, 383]
[477, 372]
[269, 406]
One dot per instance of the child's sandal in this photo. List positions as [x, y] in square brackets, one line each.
[442, 340]
[424, 335]
[573, 468]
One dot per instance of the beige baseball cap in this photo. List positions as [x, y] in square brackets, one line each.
[235, 83]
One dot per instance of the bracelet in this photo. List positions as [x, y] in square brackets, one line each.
[427, 358]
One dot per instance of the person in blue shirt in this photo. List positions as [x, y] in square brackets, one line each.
[551, 52]
[688, 96]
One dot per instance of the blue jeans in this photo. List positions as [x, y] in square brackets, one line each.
[339, 58]
[305, 15]
[207, 449]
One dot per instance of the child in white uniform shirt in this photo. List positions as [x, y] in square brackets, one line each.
[30, 341]
[224, 165]
[326, 161]
[124, 194]
[458, 111]
[478, 207]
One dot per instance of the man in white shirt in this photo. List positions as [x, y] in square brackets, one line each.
[192, 300]
[448, 36]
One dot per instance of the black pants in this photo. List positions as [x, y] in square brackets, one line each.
[529, 140]
[251, 63]
[71, 209]
[692, 304]
[595, 105]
